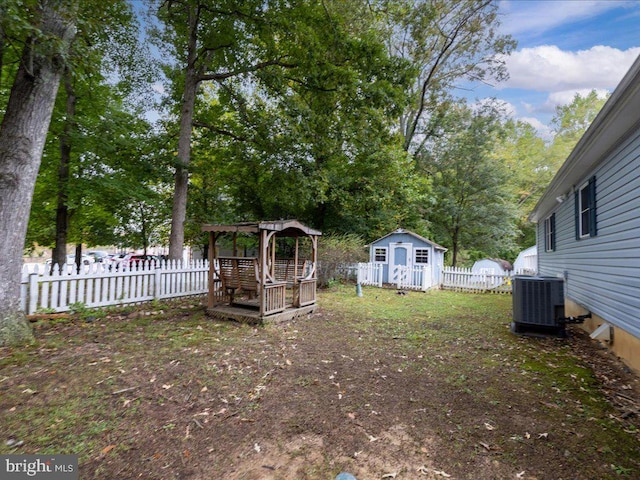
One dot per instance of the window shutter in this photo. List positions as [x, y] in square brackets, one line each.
[593, 228]
[576, 201]
[553, 232]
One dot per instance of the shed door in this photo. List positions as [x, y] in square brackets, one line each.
[399, 261]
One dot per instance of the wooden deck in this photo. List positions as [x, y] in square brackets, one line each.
[252, 316]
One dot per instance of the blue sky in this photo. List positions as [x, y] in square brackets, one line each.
[564, 47]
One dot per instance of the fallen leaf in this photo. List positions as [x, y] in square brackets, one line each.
[543, 435]
[204, 389]
[520, 475]
[107, 449]
[352, 416]
[442, 473]
[256, 447]
[166, 386]
[288, 362]
[488, 426]
[372, 438]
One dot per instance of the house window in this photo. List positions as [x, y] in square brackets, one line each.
[380, 255]
[422, 255]
[585, 199]
[550, 233]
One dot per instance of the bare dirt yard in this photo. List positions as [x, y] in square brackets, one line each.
[415, 386]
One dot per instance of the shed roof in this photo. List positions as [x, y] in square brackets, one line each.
[504, 264]
[408, 232]
[611, 126]
[283, 228]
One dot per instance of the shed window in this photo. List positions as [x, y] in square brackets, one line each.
[380, 254]
[422, 255]
[585, 204]
[550, 233]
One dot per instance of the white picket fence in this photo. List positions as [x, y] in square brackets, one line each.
[465, 280]
[370, 274]
[451, 278]
[97, 286]
[406, 278]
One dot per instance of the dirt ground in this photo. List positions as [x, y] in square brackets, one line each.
[397, 386]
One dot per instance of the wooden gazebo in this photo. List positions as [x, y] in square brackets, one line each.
[266, 286]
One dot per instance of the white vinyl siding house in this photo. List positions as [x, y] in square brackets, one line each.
[549, 233]
[589, 219]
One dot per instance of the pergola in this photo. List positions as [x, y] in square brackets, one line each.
[266, 286]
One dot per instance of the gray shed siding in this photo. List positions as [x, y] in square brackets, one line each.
[436, 256]
[603, 272]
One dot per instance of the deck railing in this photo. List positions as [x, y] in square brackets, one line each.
[304, 292]
[274, 300]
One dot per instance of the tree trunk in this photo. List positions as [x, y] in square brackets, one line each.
[454, 242]
[22, 136]
[78, 257]
[179, 210]
[59, 256]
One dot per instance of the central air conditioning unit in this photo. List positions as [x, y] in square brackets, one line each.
[538, 306]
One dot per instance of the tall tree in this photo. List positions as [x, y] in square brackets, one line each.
[97, 60]
[22, 137]
[448, 43]
[474, 208]
[209, 42]
[526, 158]
[315, 141]
[570, 122]
[115, 158]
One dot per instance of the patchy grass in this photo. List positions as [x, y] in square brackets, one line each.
[417, 385]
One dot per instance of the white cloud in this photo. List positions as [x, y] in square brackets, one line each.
[540, 16]
[544, 131]
[549, 69]
[504, 107]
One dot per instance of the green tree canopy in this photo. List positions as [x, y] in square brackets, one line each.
[474, 209]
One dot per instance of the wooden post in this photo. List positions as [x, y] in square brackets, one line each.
[295, 262]
[273, 256]
[211, 255]
[262, 254]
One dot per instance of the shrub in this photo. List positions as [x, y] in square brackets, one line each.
[335, 252]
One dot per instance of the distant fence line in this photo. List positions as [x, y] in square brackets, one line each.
[451, 278]
[96, 285]
[465, 280]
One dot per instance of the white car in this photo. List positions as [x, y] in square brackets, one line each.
[71, 261]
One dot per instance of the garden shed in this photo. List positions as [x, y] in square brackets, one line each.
[401, 252]
[276, 284]
[527, 261]
[492, 266]
[491, 272]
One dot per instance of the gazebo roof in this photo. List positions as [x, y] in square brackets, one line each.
[283, 228]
